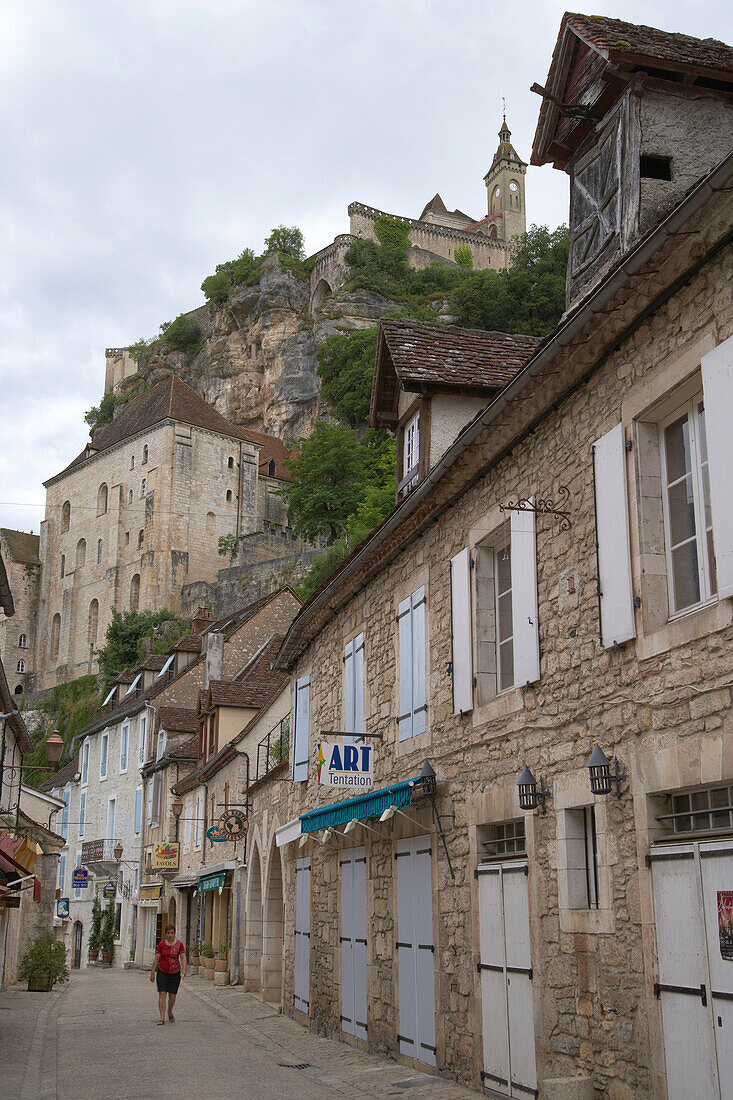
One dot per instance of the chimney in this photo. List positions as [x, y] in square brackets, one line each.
[214, 664]
[202, 620]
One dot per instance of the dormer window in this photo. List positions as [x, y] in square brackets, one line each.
[409, 454]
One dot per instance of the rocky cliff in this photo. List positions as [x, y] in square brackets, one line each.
[258, 362]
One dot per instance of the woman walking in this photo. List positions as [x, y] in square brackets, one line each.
[169, 966]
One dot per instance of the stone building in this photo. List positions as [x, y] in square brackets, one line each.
[138, 514]
[549, 605]
[17, 637]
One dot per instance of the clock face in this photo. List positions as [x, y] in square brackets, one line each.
[233, 824]
[513, 186]
[497, 192]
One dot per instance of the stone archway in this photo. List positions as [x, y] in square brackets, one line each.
[323, 290]
[273, 930]
[253, 925]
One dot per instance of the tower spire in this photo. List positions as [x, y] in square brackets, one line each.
[505, 133]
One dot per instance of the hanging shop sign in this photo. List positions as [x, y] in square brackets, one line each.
[165, 856]
[214, 834]
[80, 878]
[62, 908]
[212, 882]
[233, 825]
[109, 891]
[345, 765]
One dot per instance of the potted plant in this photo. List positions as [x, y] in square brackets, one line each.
[209, 961]
[108, 933]
[43, 964]
[222, 958]
[193, 960]
[95, 935]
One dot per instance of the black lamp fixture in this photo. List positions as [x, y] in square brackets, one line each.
[601, 775]
[530, 795]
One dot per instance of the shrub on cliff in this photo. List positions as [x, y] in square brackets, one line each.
[184, 334]
[346, 367]
[123, 646]
[216, 287]
[287, 239]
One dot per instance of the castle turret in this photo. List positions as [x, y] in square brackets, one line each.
[505, 189]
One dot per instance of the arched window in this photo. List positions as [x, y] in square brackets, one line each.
[229, 495]
[55, 635]
[145, 453]
[493, 232]
[23, 641]
[81, 553]
[99, 552]
[20, 667]
[210, 519]
[130, 496]
[18, 689]
[135, 592]
[63, 565]
[230, 463]
[93, 622]
[102, 499]
[144, 487]
[132, 462]
[65, 516]
[140, 539]
[271, 467]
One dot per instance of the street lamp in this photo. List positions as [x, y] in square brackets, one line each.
[117, 851]
[601, 776]
[530, 795]
[54, 747]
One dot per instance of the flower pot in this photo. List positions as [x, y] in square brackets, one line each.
[207, 973]
[222, 965]
[209, 964]
[93, 955]
[40, 983]
[194, 959]
[106, 956]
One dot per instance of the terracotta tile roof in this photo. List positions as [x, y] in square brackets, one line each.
[6, 596]
[22, 546]
[152, 664]
[178, 720]
[619, 37]
[257, 683]
[187, 750]
[189, 643]
[125, 677]
[427, 355]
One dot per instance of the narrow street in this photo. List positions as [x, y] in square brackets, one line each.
[97, 1037]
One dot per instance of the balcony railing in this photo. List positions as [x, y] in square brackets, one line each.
[273, 748]
[98, 851]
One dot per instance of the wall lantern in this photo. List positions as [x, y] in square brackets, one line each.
[54, 747]
[117, 851]
[177, 806]
[530, 795]
[601, 776]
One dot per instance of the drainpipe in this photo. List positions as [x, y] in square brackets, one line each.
[238, 886]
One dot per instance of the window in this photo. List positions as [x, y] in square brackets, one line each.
[118, 919]
[169, 664]
[124, 743]
[157, 785]
[187, 823]
[229, 495]
[132, 462]
[143, 487]
[410, 453]
[102, 499]
[230, 463]
[135, 592]
[707, 811]
[142, 739]
[655, 168]
[99, 551]
[133, 686]
[354, 685]
[149, 805]
[271, 467]
[503, 618]
[301, 730]
[55, 635]
[23, 641]
[210, 519]
[63, 565]
[82, 811]
[103, 756]
[111, 818]
[65, 813]
[412, 706]
[62, 872]
[130, 496]
[138, 810]
[140, 539]
[85, 763]
[199, 821]
[581, 849]
[20, 666]
[145, 453]
[127, 538]
[111, 697]
[507, 838]
[65, 516]
[93, 622]
[81, 553]
[18, 689]
[688, 527]
[162, 740]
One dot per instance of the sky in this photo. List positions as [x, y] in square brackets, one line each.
[145, 141]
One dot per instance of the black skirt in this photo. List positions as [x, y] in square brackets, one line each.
[167, 983]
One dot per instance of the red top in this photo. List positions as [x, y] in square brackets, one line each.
[170, 956]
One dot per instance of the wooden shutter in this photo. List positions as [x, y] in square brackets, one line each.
[462, 652]
[358, 723]
[353, 943]
[415, 949]
[360, 944]
[717, 385]
[301, 733]
[419, 701]
[524, 598]
[349, 687]
[149, 813]
[302, 934]
[612, 531]
[138, 809]
[404, 621]
[347, 940]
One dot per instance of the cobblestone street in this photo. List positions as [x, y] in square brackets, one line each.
[96, 1037]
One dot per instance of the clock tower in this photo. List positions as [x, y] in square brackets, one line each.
[504, 181]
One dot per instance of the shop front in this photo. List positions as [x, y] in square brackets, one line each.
[214, 919]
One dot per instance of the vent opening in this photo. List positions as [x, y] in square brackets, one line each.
[655, 168]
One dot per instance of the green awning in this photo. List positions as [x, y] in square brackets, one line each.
[364, 805]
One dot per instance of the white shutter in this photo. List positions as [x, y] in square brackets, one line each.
[149, 811]
[82, 812]
[138, 809]
[524, 598]
[349, 687]
[187, 809]
[415, 949]
[612, 532]
[360, 944]
[358, 725]
[460, 594]
[419, 701]
[404, 716]
[301, 735]
[717, 385]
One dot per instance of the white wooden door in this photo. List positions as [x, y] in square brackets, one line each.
[415, 948]
[353, 942]
[302, 934]
[506, 980]
[689, 881]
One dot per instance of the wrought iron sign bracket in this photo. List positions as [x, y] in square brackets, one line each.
[544, 506]
[344, 733]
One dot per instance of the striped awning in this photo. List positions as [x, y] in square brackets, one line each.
[364, 805]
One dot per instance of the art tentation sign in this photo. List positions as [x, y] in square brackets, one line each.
[345, 765]
[725, 923]
[165, 856]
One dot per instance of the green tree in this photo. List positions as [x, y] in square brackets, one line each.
[287, 239]
[216, 287]
[463, 256]
[123, 640]
[103, 413]
[327, 482]
[69, 708]
[346, 368]
[184, 334]
[528, 297]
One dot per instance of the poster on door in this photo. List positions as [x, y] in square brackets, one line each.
[725, 923]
